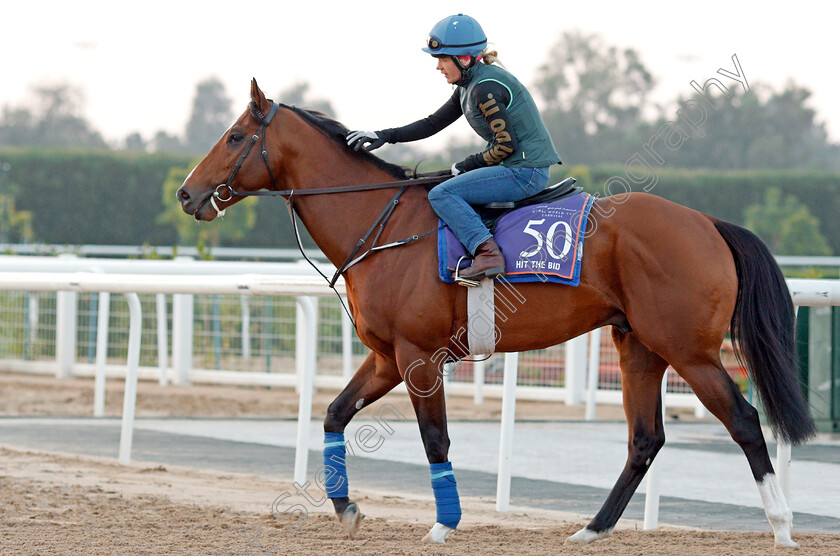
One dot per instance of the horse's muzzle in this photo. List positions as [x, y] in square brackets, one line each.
[194, 204]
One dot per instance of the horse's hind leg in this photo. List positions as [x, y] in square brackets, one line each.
[375, 378]
[641, 378]
[721, 396]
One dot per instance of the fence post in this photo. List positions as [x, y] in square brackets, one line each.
[183, 312]
[162, 340]
[700, 410]
[133, 362]
[33, 300]
[101, 354]
[594, 371]
[448, 372]
[653, 477]
[783, 467]
[65, 333]
[183, 306]
[245, 306]
[479, 368]
[302, 331]
[65, 329]
[307, 324]
[783, 453]
[575, 371]
[346, 346]
[506, 437]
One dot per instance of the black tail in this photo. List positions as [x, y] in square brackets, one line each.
[763, 334]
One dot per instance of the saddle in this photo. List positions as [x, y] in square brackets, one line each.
[491, 213]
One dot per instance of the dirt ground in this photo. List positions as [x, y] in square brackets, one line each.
[45, 395]
[54, 503]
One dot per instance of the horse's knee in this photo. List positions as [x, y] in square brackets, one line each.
[644, 447]
[336, 420]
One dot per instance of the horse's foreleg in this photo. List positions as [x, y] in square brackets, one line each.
[641, 381]
[375, 378]
[423, 379]
[721, 396]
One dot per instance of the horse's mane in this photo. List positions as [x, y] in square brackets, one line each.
[337, 132]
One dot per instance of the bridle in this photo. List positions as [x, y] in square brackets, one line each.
[264, 121]
[432, 178]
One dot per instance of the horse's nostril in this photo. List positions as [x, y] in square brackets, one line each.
[183, 195]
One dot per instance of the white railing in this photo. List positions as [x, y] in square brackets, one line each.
[235, 253]
[305, 288]
[573, 392]
[265, 254]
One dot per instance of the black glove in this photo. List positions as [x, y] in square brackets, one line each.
[367, 140]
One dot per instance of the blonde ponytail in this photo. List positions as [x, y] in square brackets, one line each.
[491, 57]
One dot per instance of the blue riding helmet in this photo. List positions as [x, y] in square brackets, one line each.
[456, 35]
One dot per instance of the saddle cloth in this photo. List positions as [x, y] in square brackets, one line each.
[540, 243]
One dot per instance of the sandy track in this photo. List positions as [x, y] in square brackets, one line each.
[67, 504]
[63, 504]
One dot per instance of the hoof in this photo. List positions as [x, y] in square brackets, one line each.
[586, 536]
[438, 533]
[351, 519]
[781, 531]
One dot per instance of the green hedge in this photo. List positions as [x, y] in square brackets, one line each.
[92, 197]
[79, 197]
[727, 194]
[114, 198]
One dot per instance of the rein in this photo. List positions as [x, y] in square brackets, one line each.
[423, 180]
[432, 178]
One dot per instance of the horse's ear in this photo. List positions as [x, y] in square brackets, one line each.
[258, 96]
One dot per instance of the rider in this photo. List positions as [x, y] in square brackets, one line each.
[499, 108]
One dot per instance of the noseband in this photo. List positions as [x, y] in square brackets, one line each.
[231, 192]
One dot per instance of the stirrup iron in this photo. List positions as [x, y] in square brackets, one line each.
[464, 281]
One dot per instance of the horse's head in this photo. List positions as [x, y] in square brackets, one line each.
[209, 189]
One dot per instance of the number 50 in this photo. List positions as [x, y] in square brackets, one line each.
[549, 239]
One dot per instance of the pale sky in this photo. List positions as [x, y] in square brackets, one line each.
[139, 62]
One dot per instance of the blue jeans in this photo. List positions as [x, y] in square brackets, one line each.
[452, 198]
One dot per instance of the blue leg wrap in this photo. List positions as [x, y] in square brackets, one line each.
[446, 494]
[335, 466]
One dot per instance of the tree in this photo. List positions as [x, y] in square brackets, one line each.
[164, 142]
[455, 150]
[297, 94]
[211, 115]
[15, 225]
[17, 127]
[134, 142]
[786, 225]
[52, 119]
[758, 128]
[594, 95]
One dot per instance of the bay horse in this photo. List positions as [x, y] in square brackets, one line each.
[669, 280]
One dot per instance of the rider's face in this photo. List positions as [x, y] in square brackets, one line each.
[449, 69]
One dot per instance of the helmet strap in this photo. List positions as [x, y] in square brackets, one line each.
[460, 64]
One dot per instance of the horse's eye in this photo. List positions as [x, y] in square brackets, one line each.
[235, 137]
